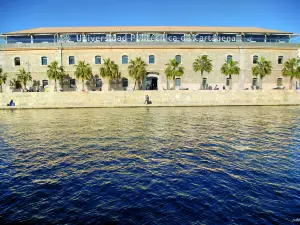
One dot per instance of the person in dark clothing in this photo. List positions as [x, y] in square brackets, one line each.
[147, 100]
[11, 103]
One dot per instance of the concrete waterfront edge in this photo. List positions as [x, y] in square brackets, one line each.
[120, 99]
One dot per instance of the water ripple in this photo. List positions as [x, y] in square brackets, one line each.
[226, 165]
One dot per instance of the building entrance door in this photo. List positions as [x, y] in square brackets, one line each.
[151, 83]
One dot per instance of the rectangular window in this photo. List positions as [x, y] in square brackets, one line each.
[178, 82]
[97, 60]
[254, 82]
[151, 59]
[178, 58]
[280, 59]
[17, 61]
[229, 58]
[279, 82]
[227, 82]
[204, 83]
[72, 83]
[255, 59]
[98, 83]
[44, 61]
[71, 60]
[124, 59]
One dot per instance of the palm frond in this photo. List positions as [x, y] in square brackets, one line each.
[173, 69]
[230, 68]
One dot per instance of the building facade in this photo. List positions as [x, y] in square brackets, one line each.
[35, 49]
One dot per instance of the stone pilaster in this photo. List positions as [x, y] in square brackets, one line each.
[242, 66]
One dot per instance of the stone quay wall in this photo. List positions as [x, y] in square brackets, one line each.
[159, 98]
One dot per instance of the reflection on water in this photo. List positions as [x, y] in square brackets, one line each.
[220, 165]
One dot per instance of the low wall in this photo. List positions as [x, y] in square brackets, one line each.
[159, 98]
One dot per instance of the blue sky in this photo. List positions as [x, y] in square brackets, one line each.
[273, 14]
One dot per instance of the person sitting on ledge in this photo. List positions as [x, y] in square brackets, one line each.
[11, 103]
[147, 100]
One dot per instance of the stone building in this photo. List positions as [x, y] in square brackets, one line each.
[34, 49]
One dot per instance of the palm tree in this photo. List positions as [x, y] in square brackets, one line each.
[110, 70]
[291, 70]
[137, 70]
[55, 72]
[262, 69]
[173, 70]
[24, 77]
[83, 71]
[3, 77]
[202, 64]
[230, 68]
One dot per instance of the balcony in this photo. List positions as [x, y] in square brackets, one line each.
[152, 44]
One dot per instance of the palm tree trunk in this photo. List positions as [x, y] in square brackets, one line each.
[55, 87]
[230, 82]
[0, 87]
[260, 82]
[201, 81]
[109, 85]
[291, 83]
[83, 84]
[134, 85]
[25, 89]
[138, 85]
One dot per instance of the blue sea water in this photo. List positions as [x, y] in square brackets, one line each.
[219, 165]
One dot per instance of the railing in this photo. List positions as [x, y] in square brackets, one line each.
[136, 44]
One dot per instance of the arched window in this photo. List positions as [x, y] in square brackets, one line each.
[229, 58]
[97, 59]
[178, 58]
[279, 82]
[255, 59]
[71, 60]
[17, 61]
[151, 59]
[124, 59]
[45, 83]
[280, 59]
[44, 60]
